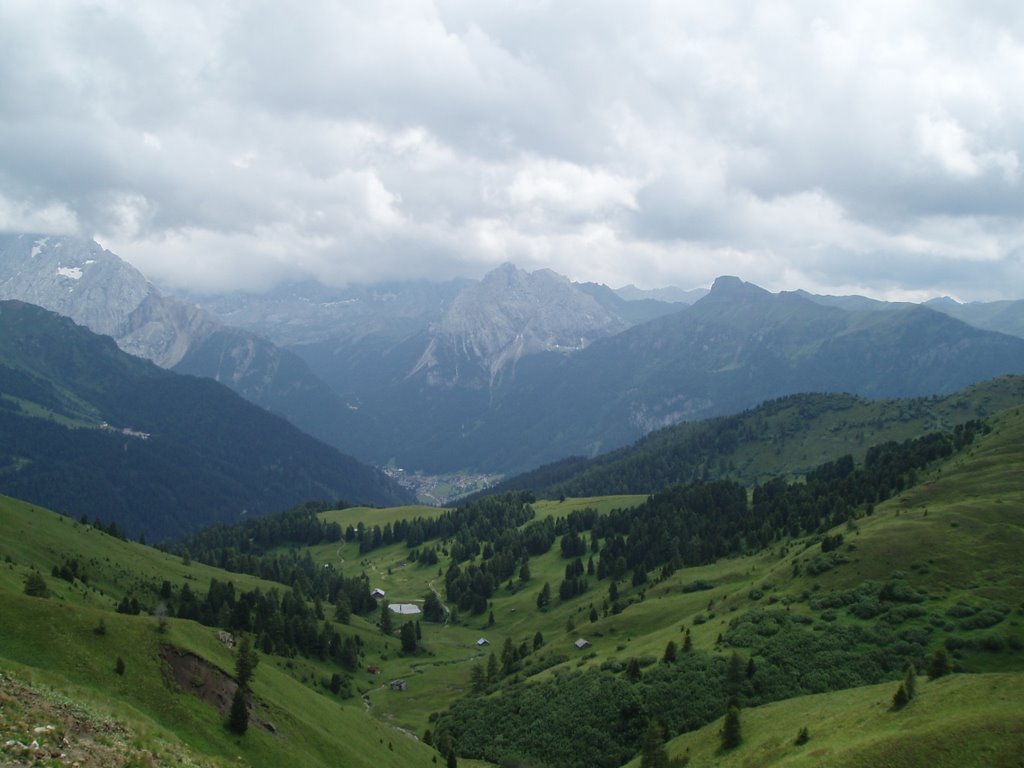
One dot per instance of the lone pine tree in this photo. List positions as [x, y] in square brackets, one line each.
[731, 734]
[245, 665]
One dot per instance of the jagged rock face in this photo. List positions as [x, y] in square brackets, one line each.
[511, 313]
[77, 278]
[72, 276]
[163, 330]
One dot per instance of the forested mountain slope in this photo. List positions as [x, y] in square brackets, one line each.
[90, 430]
[788, 436]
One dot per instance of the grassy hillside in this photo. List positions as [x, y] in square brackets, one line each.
[968, 721]
[939, 561]
[54, 643]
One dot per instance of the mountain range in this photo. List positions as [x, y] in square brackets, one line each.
[519, 368]
[498, 381]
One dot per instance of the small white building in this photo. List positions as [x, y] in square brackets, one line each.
[581, 644]
[378, 593]
[404, 609]
[483, 641]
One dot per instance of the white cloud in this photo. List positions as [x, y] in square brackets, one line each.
[874, 145]
[31, 216]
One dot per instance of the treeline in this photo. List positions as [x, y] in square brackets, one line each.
[833, 492]
[508, 554]
[469, 525]
[300, 526]
[706, 450]
[283, 622]
[702, 522]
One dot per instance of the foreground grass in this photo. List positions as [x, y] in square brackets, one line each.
[959, 721]
[57, 642]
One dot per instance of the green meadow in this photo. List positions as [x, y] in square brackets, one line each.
[952, 543]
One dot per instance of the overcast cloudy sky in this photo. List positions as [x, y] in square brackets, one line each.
[839, 147]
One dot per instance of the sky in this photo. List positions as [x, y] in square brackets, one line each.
[870, 147]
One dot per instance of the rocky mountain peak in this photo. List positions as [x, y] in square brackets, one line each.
[78, 278]
[731, 288]
[508, 314]
[72, 276]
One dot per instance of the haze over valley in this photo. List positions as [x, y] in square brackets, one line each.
[511, 386]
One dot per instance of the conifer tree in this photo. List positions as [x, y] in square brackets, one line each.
[478, 679]
[731, 734]
[939, 664]
[671, 653]
[544, 598]
[35, 585]
[652, 751]
[245, 665]
[910, 681]
[245, 661]
[633, 670]
[408, 637]
[238, 717]
[900, 698]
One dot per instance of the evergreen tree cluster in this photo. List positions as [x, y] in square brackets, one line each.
[300, 526]
[282, 622]
[468, 525]
[701, 522]
[575, 581]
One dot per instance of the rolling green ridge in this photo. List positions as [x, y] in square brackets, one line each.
[785, 437]
[962, 720]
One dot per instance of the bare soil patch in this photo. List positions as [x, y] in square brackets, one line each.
[207, 682]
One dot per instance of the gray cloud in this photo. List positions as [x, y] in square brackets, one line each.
[871, 147]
